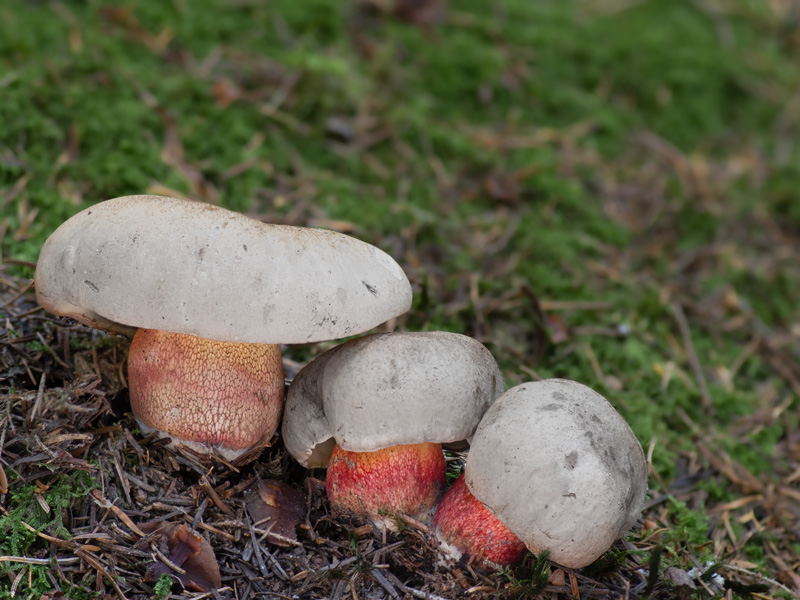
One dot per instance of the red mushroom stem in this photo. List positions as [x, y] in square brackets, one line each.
[408, 479]
[218, 394]
[466, 528]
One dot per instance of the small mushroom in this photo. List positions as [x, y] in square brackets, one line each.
[209, 295]
[558, 467]
[376, 411]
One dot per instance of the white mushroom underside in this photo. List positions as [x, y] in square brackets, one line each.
[226, 453]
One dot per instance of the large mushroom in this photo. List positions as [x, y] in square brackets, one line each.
[558, 468]
[207, 295]
[376, 410]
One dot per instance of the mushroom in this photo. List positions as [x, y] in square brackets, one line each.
[558, 467]
[376, 411]
[207, 295]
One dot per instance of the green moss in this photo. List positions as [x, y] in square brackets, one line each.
[16, 539]
[162, 587]
[23, 507]
[688, 531]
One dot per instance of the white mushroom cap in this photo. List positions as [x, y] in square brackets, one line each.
[188, 267]
[560, 468]
[389, 389]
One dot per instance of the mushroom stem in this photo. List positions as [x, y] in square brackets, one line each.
[205, 393]
[466, 528]
[407, 479]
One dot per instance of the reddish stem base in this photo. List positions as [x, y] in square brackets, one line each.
[466, 528]
[407, 479]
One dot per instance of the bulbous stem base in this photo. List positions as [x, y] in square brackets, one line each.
[206, 393]
[407, 479]
[466, 528]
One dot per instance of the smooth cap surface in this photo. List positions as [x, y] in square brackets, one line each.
[189, 267]
[560, 468]
[387, 389]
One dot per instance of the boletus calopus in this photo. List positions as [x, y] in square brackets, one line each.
[376, 410]
[208, 295]
[559, 469]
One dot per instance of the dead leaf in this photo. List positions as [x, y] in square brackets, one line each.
[186, 550]
[557, 577]
[557, 328]
[225, 92]
[790, 579]
[126, 19]
[679, 577]
[503, 188]
[277, 508]
[424, 13]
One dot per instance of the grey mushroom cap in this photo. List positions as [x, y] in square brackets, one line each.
[187, 267]
[389, 389]
[556, 463]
